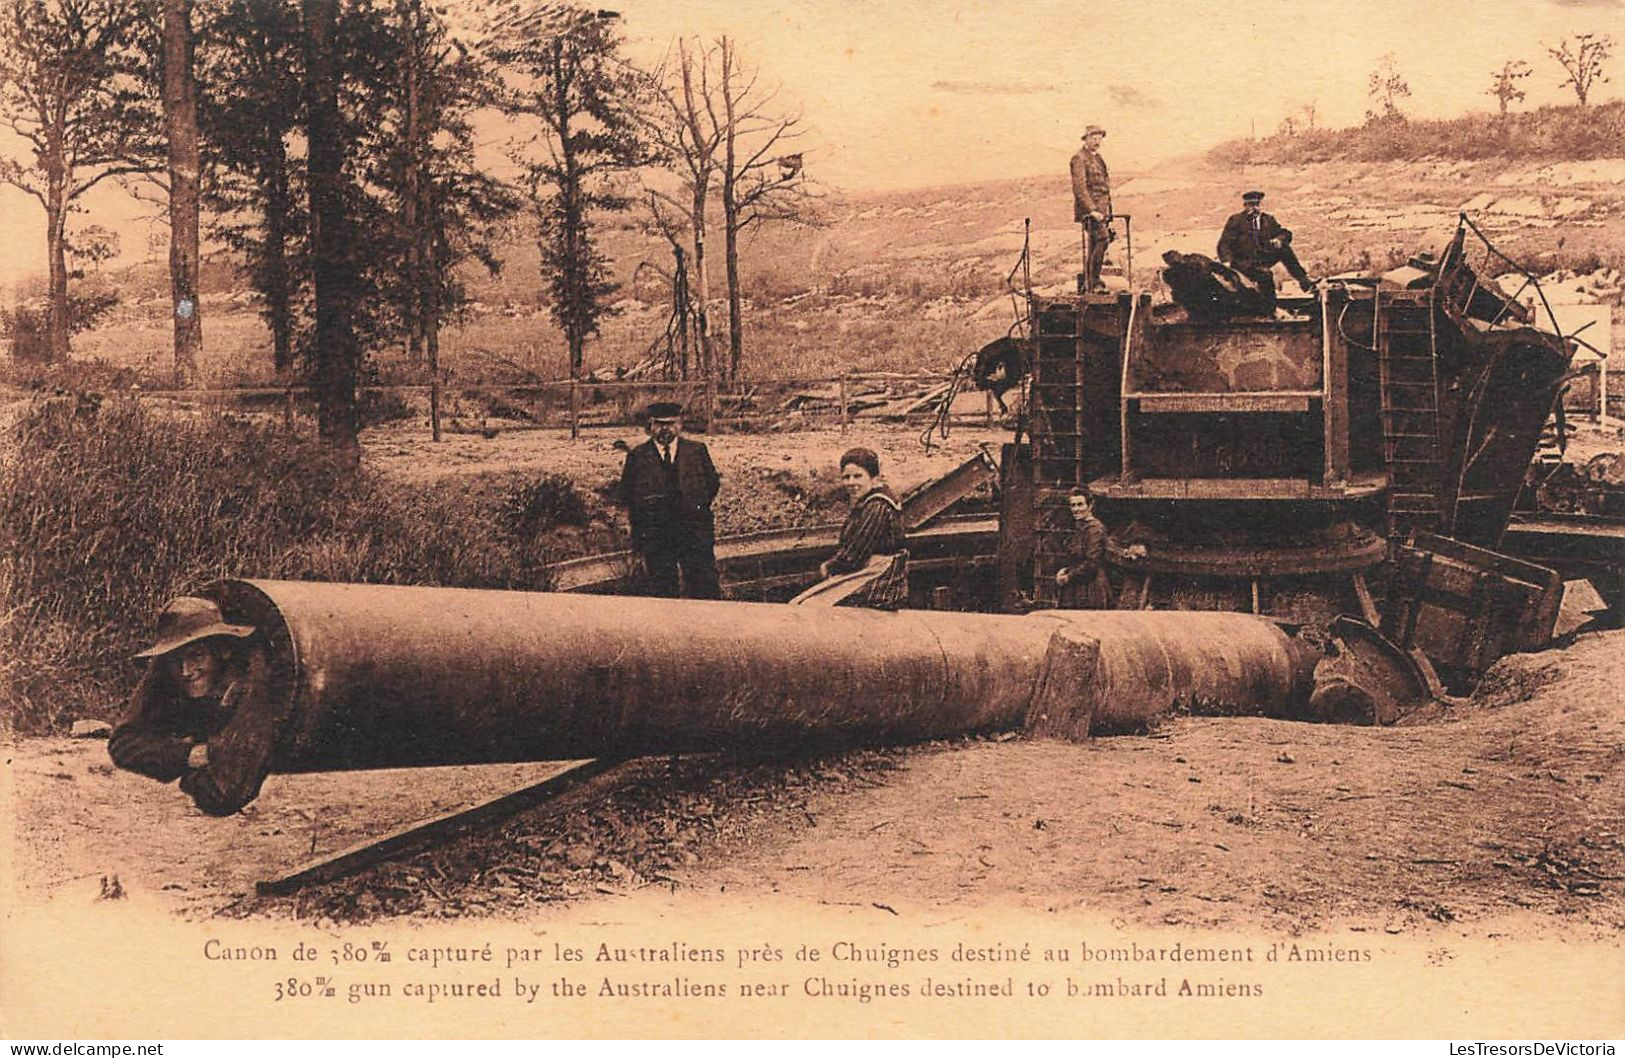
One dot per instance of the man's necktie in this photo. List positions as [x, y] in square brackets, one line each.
[665, 454]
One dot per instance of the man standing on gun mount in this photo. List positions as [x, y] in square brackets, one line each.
[1092, 205]
[668, 484]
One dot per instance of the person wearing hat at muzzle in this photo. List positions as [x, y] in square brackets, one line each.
[668, 485]
[1092, 205]
[1253, 242]
[200, 711]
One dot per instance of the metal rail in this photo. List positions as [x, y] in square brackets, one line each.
[946, 541]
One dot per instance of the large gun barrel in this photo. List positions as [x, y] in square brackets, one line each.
[370, 676]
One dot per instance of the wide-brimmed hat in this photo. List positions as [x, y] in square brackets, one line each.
[1252, 196]
[1091, 130]
[188, 619]
[665, 409]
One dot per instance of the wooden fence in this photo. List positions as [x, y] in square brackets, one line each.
[488, 407]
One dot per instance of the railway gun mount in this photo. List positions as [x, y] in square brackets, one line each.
[1310, 516]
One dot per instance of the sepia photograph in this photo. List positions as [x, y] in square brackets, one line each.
[812, 520]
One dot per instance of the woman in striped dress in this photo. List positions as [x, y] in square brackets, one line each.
[871, 567]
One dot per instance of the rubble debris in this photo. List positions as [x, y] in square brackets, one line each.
[1208, 290]
[644, 369]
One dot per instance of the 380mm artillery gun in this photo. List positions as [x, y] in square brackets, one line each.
[1358, 454]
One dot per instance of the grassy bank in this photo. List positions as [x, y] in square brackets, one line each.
[106, 513]
[1567, 133]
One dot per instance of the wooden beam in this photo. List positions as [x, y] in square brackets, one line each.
[433, 831]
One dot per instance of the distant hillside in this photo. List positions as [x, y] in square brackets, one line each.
[1568, 133]
[916, 279]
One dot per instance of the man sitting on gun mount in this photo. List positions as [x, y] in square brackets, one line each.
[1253, 242]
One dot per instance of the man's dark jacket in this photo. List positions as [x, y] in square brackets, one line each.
[1091, 185]
[1243, 248]
[661, 500]
[160, 728]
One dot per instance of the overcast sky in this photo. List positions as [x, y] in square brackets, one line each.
[924, 92]
[910, 93]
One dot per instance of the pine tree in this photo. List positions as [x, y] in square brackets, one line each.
[71, 87]
[251, 62]
[569, 81]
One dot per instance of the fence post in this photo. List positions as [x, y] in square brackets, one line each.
[987, 395]
[843, 404]
[434, 402]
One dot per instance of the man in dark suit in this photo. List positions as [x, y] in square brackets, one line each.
[1253, 242]
[668, 484]
[1092, 205]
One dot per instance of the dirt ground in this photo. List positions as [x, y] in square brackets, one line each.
[1510, 805]
[772, 480]
[406, 452]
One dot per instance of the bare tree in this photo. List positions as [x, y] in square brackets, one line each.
[1387, 86]
[719, 126]
[1504, 84]
[760, 181]
[687, 132]
[1582, 57]
[69, 87]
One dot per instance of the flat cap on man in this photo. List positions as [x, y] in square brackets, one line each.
[1091, 130]
[1252, 196]
[665, 409]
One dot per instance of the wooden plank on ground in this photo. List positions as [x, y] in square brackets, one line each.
[414, 835]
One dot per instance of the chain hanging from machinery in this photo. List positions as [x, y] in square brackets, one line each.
[1556, 434]
[981, 365]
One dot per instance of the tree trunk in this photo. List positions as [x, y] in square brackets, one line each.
[411, 199]
[338, 357]
[736, 311]
[730, 216]
[431, 335]
[55, 165]
[702, 316]
[56, 304]
[575, 250]
[277, 282]
[180, 123]
[679, 293]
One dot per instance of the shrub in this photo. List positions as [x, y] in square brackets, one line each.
[25, 324]
[379, 406]
[1556, 133]
[552, 500]
[107, 513]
